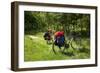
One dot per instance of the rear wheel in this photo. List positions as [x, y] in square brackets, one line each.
[56, 49]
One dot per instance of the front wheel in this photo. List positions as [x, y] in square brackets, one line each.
[76, 44]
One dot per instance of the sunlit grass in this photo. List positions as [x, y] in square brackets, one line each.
[36, 49]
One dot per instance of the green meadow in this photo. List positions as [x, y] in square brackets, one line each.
[36, 49]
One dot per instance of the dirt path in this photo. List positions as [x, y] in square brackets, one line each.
[33, 37]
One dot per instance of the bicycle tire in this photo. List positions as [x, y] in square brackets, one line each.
[61, 49]
[75, 45]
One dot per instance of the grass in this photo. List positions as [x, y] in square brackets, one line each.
[36, 49]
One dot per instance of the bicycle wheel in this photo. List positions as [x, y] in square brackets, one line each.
[53, 48]
[76, 44]
[56, 49]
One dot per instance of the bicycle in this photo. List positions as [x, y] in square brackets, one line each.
[71, 42]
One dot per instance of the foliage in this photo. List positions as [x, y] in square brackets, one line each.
[71, 22]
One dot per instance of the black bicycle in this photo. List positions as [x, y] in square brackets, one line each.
[71, 42]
